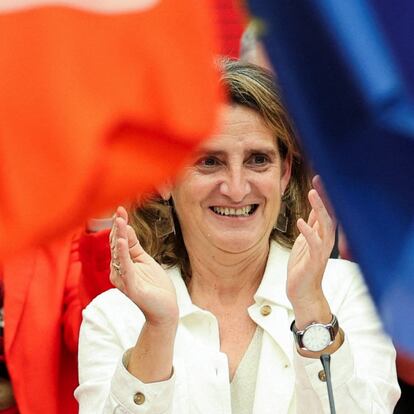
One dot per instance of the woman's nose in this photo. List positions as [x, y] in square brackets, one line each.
[235, 186]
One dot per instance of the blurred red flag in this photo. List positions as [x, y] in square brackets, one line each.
[97, 105]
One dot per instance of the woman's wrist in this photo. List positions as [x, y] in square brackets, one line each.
[151, 358]
[315, 310]
[162, 327]
[311, 310]
[165, 323]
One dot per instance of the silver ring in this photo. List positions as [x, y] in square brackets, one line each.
[117, 268]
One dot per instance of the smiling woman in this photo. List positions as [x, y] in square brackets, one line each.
[238, 170]
[242, 298]
[254, 161]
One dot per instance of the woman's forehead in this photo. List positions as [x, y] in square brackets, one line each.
[240, 127]
[226, 145]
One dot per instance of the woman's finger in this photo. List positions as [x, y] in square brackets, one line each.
[126, 265]
[121, 212]
[116, 279]
[310, 234]
[121, 260]
[320, 188]
[326, 226]
[312, 218]
[115, 275]
[112, 236]
[137, 253]
[120, 227]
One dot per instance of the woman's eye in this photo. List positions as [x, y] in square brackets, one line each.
[259, 159]
[208, 162]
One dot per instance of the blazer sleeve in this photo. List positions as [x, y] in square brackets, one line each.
[105, 385]
[363, 369]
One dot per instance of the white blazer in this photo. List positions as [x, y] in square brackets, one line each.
[363, 369]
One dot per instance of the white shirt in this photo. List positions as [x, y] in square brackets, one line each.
[243, 384]
[363, 368]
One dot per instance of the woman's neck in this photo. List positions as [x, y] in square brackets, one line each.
[226, 279]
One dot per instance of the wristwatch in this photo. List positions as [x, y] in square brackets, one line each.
[316, 336]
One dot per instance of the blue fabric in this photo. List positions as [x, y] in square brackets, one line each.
[346, 69]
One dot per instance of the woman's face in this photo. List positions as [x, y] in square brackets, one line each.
[230, 196]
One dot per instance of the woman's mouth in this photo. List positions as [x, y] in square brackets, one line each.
[244, 211]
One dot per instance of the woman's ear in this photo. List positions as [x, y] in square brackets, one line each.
[286, 172]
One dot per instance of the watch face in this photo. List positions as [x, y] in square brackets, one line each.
[316, 337]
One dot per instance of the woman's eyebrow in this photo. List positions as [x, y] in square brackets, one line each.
[262, 150]
[268, 150]
[206, 151]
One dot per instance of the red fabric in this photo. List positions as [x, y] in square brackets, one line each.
[11, 410]
[1, 328]
[405, 367]
[95, 256]
[95, 108]
[231, 21]
[42, 310]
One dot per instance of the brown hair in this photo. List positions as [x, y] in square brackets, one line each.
[254, 87]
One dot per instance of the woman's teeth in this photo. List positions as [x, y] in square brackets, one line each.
[235, 212]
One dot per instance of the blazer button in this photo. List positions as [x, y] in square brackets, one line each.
[266, 310]
[322, 376]
[139, 398]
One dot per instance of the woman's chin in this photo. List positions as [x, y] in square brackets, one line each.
[234, 245]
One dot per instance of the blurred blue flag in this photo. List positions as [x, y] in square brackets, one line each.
[346, 69]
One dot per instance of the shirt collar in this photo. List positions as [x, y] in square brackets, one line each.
[272, 287]
[185, 305]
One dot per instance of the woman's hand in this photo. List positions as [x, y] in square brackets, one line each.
[139, 276]
[307, 262]
[146, 283]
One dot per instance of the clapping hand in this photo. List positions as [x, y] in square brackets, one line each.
[139, 276]
[308, 260]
